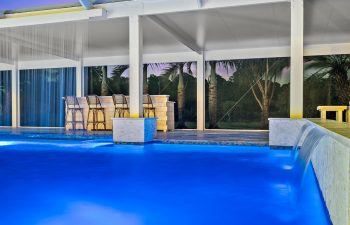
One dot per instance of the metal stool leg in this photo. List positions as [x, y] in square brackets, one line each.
[88, 122]
[66, 120]
[94, 119]
[104, 119]
[82, 118]
[73, 119]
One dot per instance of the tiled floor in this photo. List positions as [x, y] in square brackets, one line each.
[215, 137]
[226, 137]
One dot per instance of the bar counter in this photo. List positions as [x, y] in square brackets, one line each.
[163, 107]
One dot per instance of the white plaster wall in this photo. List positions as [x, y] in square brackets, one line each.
[331, 162]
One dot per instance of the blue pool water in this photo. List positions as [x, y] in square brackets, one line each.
[90, 182]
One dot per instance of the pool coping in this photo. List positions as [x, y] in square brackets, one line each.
[208, 137]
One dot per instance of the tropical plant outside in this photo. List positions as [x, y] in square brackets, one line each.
[263, 73]
[246, 91]
[336, 69]
[213, 89]
[175, 71]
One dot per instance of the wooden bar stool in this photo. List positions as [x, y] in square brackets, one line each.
[148, 107]
[95, 107]
[120, 105]
[72, 107]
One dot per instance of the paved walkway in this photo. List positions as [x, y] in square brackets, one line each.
[226, 137]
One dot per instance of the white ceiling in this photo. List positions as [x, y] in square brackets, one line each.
[242, 27]
[254, 26]
[327, 21]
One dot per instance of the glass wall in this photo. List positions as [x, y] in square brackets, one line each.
[178, 80]
[41, 96]
[243, 94]
[5, 98]
[326, 82]
[107, 80]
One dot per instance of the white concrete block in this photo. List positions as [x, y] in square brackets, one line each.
[134, 130]
[284, 131]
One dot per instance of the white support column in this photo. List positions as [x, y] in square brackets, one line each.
[79, 79]
[15, 95]
[297, 59]
[201, 92]
[136, 66]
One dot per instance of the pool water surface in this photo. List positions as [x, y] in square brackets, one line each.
[70, 182]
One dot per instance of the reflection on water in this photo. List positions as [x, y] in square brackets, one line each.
[91, 214]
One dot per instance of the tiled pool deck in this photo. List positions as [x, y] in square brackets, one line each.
[226, 137]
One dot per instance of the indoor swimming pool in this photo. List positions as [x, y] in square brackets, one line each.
[94, 182]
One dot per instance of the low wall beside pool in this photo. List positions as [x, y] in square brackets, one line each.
[330, 160]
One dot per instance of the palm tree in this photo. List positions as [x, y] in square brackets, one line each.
[116, 77]
[213, 88]
[145, 70]
[176, 70]
[104, 85]
[95, 80]
[263, 74]
[336, 67]
[91, 83]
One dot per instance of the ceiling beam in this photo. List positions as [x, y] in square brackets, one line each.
[51, 18]
[5, 61]
[227, 54]
[236, 3]
[5, 66]
[40, 47]
[178, 34]
[147, 7]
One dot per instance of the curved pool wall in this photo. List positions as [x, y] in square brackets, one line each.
[330, 160]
